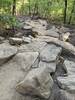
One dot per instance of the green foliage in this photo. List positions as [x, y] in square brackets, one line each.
[50, 9]
[8, 21]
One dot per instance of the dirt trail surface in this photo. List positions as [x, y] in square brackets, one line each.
[37, 64]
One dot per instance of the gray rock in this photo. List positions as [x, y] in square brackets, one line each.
[6, 52]
[37, 82]
[19, 35]
[43, 22]
[15, 41]
[36, 63]
[63, 95]
[67, 83]
[27, 27]
[33, 46]
[26, 40]
[51, 66]
[52, 33]
[69, 67]
[39, 31]
[38, 24]
[12, 73]
[26, 59]
[44, 32]
[50, 53]
[1, 39]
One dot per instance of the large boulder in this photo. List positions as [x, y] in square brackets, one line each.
[6, 52]
[38, 82]
[12, 73]
[50, 53]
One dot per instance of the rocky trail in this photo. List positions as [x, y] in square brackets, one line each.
[38, 63]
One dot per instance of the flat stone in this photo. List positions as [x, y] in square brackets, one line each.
[33, 46]
[12, 73]
[43, 22]
[69, 67]
[6, 52]
[50, 53]
[39, 31]
[15, 41]
[26, 59]
[67, 83]
[18, 35]
[51, 66]
[52, 33]
[27, 27]
[26, 40]
[36, 24]
[37, 82]
[2, 38]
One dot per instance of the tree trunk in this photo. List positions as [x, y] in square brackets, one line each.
[65, 11]
[14, 8]
[71, 12]
[29, 8]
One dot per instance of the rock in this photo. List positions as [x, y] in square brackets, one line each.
[36, 63]
[27, 27]
[1, 39]
[15, 41]
[51, 66]
[27, 30]
[26, 40]
[38, 82]
[69, 67]
[19, 35]
[43, 22]
[44, 32]
[33, 46]
[63, 29]
[66, 45]
[50, 53]
[39, 31]
[12, 73]
[6, 52]
[52, 33]
[63, 95]
[26, 59]
[64, 36]
[67, 83]
[36, 24]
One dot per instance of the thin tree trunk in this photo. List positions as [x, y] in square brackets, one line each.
[36, 9]
[14, 8]
[71, 12]
[65, 11]
[29, 8]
